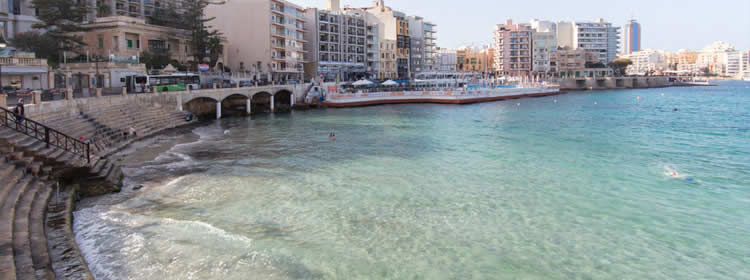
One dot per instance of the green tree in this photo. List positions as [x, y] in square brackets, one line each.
[44, 45]
[102, 9]
[205, 42]
[62, 19]
[155, 58]
[619, 65]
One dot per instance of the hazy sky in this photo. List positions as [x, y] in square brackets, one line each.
[667, 24]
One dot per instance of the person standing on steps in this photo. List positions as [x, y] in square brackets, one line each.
[20, 112]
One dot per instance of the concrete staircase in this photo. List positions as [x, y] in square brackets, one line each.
[108, 128]
[25, 191]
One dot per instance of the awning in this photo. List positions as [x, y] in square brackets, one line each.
[24, 70]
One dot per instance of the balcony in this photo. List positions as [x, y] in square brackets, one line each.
[22, 61]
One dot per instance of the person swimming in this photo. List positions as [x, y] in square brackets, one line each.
[332, 136]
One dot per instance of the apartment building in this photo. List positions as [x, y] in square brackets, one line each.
[715, 58]
[513, 53]
[423, 47]
[475, 60]
[544, 42]
[388, 53]
[596, 36]
[447, 60]
[393, 25]
[646, 61]
[265, 37]
[337, 45]
[571, 63]
[16, 16]
[143, 9]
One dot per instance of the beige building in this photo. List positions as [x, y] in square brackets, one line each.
[572, 63]
[394, 25]
[469, 59]
[265, 37]
[387, 60]
[125, 39]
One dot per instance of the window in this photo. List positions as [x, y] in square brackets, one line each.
[116, 42]
[130, 44]
[137, 44]
[101, 42]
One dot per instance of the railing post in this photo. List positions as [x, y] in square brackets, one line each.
[3, 100]
[46, 136]
[88, 152]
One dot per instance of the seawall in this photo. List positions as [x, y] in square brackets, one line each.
[613, 83]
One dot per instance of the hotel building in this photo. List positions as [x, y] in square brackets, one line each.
[263, 36]
[596, 36]
[513, 49]
[631, 37]
[338, 44]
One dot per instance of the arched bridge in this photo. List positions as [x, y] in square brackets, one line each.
[246, 99]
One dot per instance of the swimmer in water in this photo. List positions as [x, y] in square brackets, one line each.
[332, 136]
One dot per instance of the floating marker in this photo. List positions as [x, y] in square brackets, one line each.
[519, 104]
[639, 98]
[662, 94]
[595, 103]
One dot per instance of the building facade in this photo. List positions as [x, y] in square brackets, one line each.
[513, 54]
[571, 63]
[596, 36]
[646, 62]
[631, 37]
[337, 45]
[544, 42]
[16, 16]
[121, 38]
[475, 60]
[265, 37]
[388, 68]
[447, 60]
[423, 46]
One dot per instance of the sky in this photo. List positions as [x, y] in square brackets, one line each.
[667, 24]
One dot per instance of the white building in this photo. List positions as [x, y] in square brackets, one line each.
[446, 60]
[16, 16]
[716, 59]
[646, 62]
[597, 36]
[544, 43]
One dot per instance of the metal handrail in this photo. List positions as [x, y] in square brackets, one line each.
[46, 134]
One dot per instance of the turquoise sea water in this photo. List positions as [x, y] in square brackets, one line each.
[588, 185]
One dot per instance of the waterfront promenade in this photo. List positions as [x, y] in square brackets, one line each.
[439, 96]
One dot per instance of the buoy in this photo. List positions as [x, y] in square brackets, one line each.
[639, 98]
[595, 103]
[662, 94]
[555, 100]
[519, 104]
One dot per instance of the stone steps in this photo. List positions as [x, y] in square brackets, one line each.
[38, 236]
[21, 245]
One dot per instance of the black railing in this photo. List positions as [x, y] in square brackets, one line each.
[45, 134]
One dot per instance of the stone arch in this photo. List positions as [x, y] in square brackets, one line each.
[261, 102]
[201, 106]
[235, 105]
[283, 100]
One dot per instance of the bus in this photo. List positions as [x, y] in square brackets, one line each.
[170, 82]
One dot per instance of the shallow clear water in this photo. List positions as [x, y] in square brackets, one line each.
[576, 186]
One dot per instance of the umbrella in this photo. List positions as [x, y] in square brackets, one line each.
[390, 83]
[362, 83]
